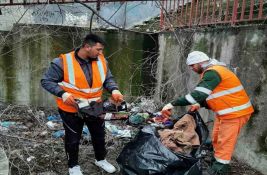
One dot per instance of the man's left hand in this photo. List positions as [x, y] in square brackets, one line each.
[167, 110]
[117, 96]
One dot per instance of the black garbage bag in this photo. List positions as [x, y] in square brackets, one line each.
[146, 155]
[110, 107]
[95, 109]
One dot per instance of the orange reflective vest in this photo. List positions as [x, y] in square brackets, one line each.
[75, 82]
[229, 99]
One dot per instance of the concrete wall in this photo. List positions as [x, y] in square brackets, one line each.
[244, 51]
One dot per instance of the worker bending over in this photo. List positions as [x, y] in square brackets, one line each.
[221, 91]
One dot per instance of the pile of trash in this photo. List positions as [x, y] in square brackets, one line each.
[144, 112]
[167, 151]
[32, 139]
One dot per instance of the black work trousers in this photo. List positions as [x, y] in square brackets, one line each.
[73, 125]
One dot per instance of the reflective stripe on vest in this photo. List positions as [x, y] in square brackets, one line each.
[87, 90]
[222, 161]
[70, 69]
[101, 70]
[234, 109]
[226, 92]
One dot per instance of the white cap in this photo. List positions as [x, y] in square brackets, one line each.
[196, 57]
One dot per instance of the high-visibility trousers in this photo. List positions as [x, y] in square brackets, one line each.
[224, 137]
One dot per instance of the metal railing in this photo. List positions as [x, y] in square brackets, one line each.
[186, 13]
[189, 13]
[36, 2]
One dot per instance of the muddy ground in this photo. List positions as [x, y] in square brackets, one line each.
[32, 150]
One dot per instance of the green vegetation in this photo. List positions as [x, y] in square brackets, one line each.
[201, 45]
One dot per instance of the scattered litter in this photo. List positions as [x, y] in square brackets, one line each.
[54, 118]
[43, 133]
[135, 109]
[111, 128]
[7, 124]
[52, 125]
[138, 118]
[58, 134]
[61, 133]
[157, 125]
[86, 134]
[124, 133]
[35, 147]
[168, 123]
[40, 113]
[30, 158]
[115, 131]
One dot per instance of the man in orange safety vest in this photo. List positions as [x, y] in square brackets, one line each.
[221, 91]
[82, 75]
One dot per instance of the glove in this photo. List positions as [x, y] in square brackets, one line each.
[69, 99]
[167, 110]
[194, 107]
[117, 96]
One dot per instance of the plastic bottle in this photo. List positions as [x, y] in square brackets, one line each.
[86, 133]
[54, 118]
[58, 134]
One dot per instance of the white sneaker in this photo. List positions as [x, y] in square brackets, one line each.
[105, 165]
[76, 170]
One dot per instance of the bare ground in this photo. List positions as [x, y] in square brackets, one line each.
[32, 150]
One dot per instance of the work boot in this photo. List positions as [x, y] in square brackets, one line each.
[105, 165]
[76, 170]
[218, 168]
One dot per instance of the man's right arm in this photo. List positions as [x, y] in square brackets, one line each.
[52, 76]
[208, 83]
